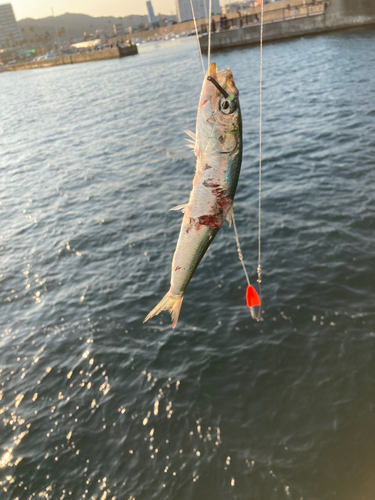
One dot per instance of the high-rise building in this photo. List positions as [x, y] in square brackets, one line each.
[184, 13]
[151, 15]
[9, 32]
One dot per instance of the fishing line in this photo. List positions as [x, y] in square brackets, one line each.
[252, 298]
[196, 33]
[240, 256]
[209, 32]
[259, 269]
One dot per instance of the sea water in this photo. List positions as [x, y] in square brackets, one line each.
[96, 405]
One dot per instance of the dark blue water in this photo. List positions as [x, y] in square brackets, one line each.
[95, 405]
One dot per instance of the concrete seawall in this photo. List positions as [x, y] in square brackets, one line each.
[69, 59]
[339, 14]
[189, 25]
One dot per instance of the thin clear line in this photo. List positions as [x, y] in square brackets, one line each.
[259, 270]
[209, 32]
[196, 33]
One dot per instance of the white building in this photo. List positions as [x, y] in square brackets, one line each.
[183, 9]
[9, 32]
[118, 29]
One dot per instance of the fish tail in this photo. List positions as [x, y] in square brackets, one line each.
[169, 302]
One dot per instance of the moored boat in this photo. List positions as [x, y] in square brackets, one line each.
[127, 50]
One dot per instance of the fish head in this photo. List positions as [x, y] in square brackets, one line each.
[219, 114]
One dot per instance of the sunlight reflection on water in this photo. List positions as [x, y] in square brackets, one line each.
[95, 405]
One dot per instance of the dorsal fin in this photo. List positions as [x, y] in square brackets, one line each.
[179, 207]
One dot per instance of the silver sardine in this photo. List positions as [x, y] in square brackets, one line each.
[218, 148]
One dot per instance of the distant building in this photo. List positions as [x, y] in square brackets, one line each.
[238, 6]
[134, 21]
[151, 15]
[244, 5]
[9, 32]
[118, 29]
[184, 13]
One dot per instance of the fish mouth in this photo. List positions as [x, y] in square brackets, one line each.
[212, 71]
[224, 78]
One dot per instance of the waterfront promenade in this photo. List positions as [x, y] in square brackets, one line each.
[288, 19]
[94, 55]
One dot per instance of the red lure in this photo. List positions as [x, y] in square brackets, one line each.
[253, 302]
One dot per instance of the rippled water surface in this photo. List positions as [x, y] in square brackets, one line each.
[96, 405]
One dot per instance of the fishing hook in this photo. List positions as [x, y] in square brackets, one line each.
[220, 89]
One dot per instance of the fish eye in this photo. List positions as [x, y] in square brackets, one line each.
[227, 106]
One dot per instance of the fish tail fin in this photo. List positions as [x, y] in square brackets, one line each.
[169, 302]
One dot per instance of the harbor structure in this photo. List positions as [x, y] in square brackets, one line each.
[184, 12]
[9, 31]
[80, 57]
[288, 19]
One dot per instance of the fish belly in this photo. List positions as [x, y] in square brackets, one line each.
[204, 215]
[192, 244]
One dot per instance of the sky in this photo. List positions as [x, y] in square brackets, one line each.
[42, 8]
